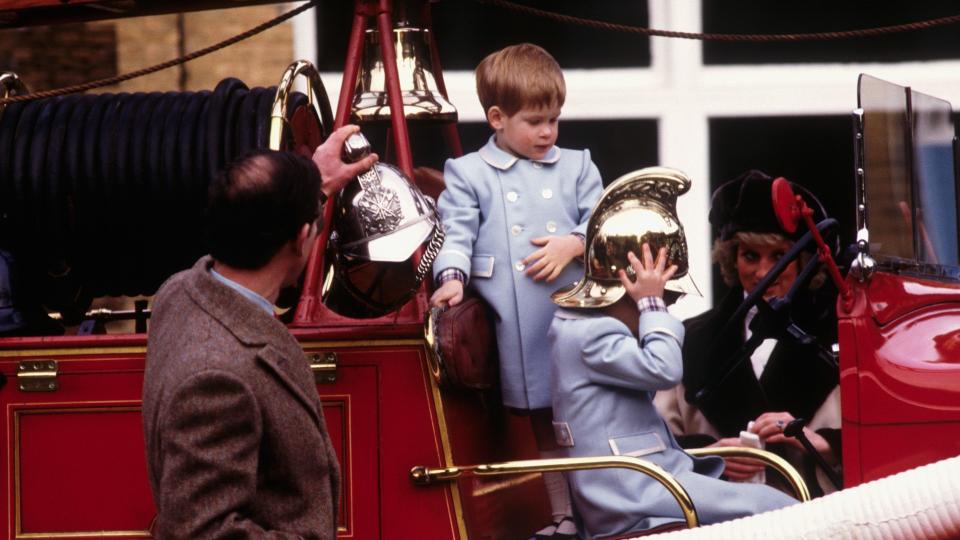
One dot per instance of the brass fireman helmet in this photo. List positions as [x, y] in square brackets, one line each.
[639, 207]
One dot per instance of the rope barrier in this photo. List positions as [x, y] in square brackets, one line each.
[110, 81]
[506, 4]
[752, 38]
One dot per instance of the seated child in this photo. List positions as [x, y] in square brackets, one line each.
[609, 361]
[515, 213]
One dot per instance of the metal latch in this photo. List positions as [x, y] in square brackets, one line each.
[324, 367]
[37, 376]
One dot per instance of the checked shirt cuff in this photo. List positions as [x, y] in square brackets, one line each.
[448, 274]
[651, 303]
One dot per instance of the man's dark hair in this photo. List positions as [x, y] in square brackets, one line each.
[257, 204]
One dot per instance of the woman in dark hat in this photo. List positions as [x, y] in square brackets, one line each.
[728, 389]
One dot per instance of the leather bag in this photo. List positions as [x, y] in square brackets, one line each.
[463, 345]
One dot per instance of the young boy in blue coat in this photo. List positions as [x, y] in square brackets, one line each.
[609, 361]
[515, 213]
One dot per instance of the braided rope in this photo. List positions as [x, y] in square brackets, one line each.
[430, 254]
[753, 38]
[110, 81]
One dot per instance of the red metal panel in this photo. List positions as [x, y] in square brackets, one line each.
[893, 296]
[74, 459]
[900, 376]
[350, 410]
[892, 448]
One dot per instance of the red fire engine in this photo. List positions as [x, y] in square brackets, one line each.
[72, 456]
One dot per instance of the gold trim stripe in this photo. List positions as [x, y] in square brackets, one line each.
[445, 442]
[27, 411]
[306, 345]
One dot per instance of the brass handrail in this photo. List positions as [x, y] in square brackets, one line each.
[421, 475]
[316, 95]
[769, 458]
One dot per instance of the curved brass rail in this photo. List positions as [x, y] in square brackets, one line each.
[11, 84]
[769, 458]
[423, 475]
[316, 94]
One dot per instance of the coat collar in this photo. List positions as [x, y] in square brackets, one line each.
[497, 158]
[255, 328]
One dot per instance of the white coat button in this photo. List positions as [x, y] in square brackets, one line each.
[551, 226]
[537, 165]
[519, 266]
[512, 196]
[516, 230]
[547, 193]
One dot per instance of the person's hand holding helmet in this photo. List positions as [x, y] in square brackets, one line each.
[334, 172]
[652, 275]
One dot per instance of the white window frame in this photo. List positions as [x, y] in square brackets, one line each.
[682, 95]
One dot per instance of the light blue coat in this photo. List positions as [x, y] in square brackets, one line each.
[493, 205]
[604, 382]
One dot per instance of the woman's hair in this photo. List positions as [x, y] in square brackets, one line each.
[725, 255]
[520, 76]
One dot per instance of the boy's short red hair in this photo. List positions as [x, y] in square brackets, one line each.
[520, 76]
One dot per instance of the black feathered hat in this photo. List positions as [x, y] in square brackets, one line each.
[746, 204]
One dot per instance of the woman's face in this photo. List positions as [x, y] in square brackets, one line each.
[754, 260]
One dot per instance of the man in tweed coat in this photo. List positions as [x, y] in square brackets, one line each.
[237, 446]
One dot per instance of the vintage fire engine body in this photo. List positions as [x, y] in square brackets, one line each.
[73, 454]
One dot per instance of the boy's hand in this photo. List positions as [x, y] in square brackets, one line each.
[450, 293]
[556, 253]
[651, 276]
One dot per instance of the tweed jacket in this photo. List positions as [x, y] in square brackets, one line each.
[236, 442]
[493, 206]
[793, 381]
[604, 381]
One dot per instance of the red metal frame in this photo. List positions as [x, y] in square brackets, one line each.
[310, 310]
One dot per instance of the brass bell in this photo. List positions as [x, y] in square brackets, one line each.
[421, 98]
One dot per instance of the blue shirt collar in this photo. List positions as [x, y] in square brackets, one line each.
[260, 301]
[498, 158]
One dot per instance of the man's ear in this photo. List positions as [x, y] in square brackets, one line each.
[300, 246]
[495, 117]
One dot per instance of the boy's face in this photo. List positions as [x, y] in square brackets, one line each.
[530, 133]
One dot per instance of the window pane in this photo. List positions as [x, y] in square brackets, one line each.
[813, 151]
[468, 31]
[616, 146]
[765, 17]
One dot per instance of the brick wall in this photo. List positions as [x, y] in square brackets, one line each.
[51, 57]
[61, 55]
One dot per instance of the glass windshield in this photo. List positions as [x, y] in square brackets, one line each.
[886, 167]
[909, 173]
[936, 209]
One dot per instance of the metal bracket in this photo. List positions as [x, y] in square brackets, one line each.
[37, 376]
[324, 367]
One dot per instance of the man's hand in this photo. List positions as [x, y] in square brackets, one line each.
[450, 293]
[556, 253]
[651, 276]
[334, 173]
[739, 469]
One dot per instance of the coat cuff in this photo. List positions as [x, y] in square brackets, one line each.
[451, 259]
[659, 322]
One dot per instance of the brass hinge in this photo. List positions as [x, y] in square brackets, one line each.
[324, 366]
[37, 376]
